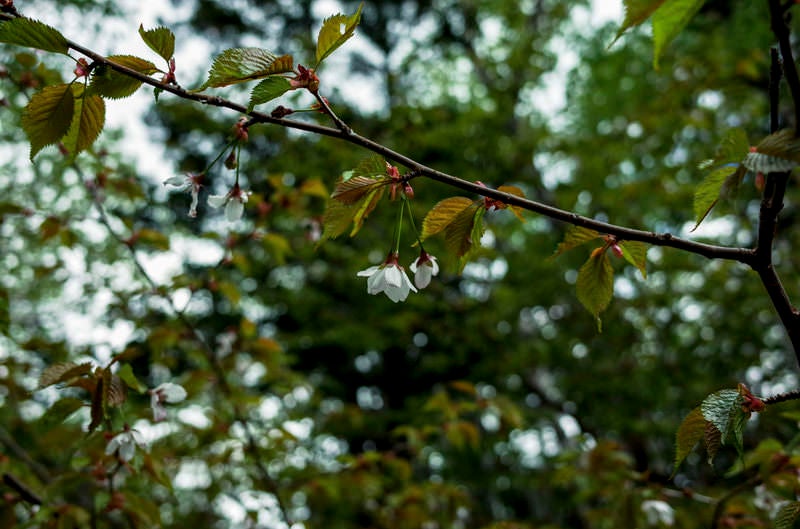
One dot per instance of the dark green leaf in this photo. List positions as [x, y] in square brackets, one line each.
[691, 430]
[87, 122]
[60, 411]
[48, 116]
[33, 34]
[111, 84]
[636, 12]
[719, 409]
[238, 65]
[161, 40]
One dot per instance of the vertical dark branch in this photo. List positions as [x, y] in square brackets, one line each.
[775, 76]
[780, 29]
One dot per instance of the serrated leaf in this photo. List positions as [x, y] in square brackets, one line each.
[575, 236]
[711, 189]
[63, 372]
[690, 432]
[719, 407]
[47, 116]
[442, 214]
[336, 219]
[713, 440]
[465, 231]
[635, 253]
[636, 12]
[161, 40]
[364, 208]
[733, 147]
[787, 515]
[238, 65]
[117, 391]
[111, 84]
[514, 190]
[595, 284]
[335, 31]
[353, 190]
[87, 123]
[782, 144]
[125, 373]
[668, 21]
[33, 34]
[60, 411]
[268, 89]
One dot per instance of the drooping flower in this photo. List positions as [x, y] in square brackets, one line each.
[234, 201]
[125, 443]
[658, 512]
[190, 182]
[165, 393]
[424, 268]
[389, 278]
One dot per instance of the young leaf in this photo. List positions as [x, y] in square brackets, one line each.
[113, 85]
[125, 374]
[465, 231]
[713, 440]
[595, 284]
[335, 31]
[719, 409]
[442, 214]
[238, 65]
[787, 515]
[714, 186]
[514, 190]
[161, 40]
[33, 34]
[635, 253]
[63, 372]
[117, 391]
[336, 219]
[268, 89]
[733, 147]
[87, 122]
[782, 144]
[691, 430]
[48, 115]
[575, 237]
[353, 190]
[636, 12]
[364, 207]
[669, 20]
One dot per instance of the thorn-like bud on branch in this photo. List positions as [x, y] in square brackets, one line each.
[281, 112]
[82, 69]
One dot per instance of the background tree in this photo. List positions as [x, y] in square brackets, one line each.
[490, 400]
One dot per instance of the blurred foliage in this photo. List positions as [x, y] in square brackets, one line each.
[488, 400]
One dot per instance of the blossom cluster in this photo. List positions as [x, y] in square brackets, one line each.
[390, 277]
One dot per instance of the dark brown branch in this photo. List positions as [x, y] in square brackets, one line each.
[25, 493]
[780, 29]
[742, 255]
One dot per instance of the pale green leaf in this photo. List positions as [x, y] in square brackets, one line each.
[87, 122]
[442, 214]
[635, 253]
[335, 31]
[636, 12]
[733, 147]
[47, 117]
[161, 40]
[709, 191]
[787, 515]
[33, 34]
[268, 89]
[595, 284]
[238, 65]
[575, 236]
[668, 21]
[690, 432]
[111, 84]
[364, 207]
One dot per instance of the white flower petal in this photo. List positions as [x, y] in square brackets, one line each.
[217, 201]
[369, 271]
[177, 181]
[171, 392]
[112, 445]
[127, 450]
[393, 276]
[234, 209]
[376, 283]
[407, 282]
[422, 277]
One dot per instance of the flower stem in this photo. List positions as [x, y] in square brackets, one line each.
[234, 141]
[413, 224]
[399, 227]
[238, 161]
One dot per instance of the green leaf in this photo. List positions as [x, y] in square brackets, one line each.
[636, 12]
[364, 208]
[161, 40]
[465, 231]
[719, 409]
[87, 122]
[238, 65]
[442, 214]
[691, 430]
[268, 89]
[336, 219]
[33, 34]
[125, 373]
[733, 147]
[353, 190]
[47, 117]
[595, 284]
[787, 515]
[635, 253]
[712, 188]
[575, 236]
[335, 31]
[111, 84]
[669, 20]
[60, 411]
[63, 372]
[713, 440]
[782, 144]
